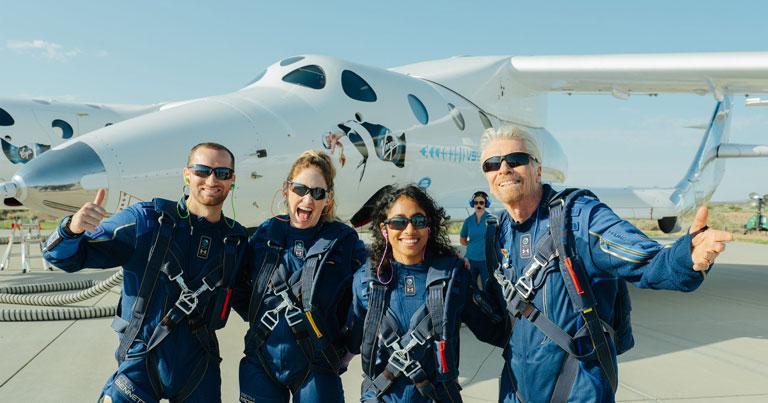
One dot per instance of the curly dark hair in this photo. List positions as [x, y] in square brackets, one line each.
[438, 243]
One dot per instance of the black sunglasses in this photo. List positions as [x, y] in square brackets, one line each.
[479, 202]
[302, 190]
[513, 160]
[399, 223]
[204, 171]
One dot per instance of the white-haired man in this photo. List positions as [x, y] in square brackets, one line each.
[563, 348]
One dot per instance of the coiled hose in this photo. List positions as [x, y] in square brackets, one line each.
[10, 295]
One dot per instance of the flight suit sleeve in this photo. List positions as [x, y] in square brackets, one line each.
[111, 244]
[617, 248]
[356, 317]
[485, 318]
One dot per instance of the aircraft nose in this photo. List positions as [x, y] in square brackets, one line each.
[58, 181]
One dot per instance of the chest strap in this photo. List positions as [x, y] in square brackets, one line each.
[296, 304]
[189, 300]
[157, 255]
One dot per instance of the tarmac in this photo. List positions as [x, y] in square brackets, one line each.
[707, 346]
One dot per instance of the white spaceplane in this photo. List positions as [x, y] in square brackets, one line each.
[418, 123]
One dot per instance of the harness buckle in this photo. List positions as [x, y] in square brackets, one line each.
[294, 315]
[401, 360]
[270, 318]
[524, 286]
[187, 301]
[507, 288]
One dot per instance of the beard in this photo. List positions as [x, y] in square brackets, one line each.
[513, 193]
[209, 201]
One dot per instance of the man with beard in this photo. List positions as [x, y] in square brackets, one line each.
[562, 347]
[180, 259]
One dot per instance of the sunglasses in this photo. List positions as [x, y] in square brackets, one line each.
[513, 160]
[399, 223]
[479, 202]
[302, 190]
[204, 171]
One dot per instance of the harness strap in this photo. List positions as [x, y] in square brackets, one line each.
[189, 300]
[579, 289]
[257, 335]
[148, 282]
[377, 304]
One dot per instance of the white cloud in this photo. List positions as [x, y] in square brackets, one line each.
[48, 50]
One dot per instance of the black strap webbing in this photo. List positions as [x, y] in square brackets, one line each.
[148, 282]
[377, 305]
[257, 335]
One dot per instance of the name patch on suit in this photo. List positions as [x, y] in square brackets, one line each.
[410, 285]
[204, 247]
[525, 246]
[298, 249]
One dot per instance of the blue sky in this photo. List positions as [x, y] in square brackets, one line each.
[144, 52]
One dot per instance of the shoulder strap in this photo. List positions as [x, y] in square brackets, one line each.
[157, 254]
[576, 280]
[377, 305]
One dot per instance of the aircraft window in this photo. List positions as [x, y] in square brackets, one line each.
[458, 118]
[418, 109]
[356, 88]
[5, 118]
[291, 60]
[311, 76]
[485, 121]
[258, 77]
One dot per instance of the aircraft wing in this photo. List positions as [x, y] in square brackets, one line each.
[700, 73]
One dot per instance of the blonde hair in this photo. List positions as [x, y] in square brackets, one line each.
[323, 162]
[511, 133]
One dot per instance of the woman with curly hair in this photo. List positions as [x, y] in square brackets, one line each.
[409, 302]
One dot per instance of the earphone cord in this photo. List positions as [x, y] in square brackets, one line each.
[234, 213]
[378, 268]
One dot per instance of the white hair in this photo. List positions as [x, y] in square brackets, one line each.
[511, 133]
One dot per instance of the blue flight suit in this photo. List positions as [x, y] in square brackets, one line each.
[474, 231]
[197, 248]
[406, 297]
[277, 365]
[611, 249]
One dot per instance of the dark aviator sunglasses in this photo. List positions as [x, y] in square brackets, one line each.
[399, 223]
[302, 190]
[204, 171]
[513, 160]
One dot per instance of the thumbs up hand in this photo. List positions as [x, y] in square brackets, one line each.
[707, 243]
[90, 215]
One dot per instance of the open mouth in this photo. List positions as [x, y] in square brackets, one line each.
[409, 242]
[303, 214]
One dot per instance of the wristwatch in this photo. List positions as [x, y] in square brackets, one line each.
[65, 227]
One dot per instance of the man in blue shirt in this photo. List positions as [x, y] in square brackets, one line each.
[473, 235]
[609, 249]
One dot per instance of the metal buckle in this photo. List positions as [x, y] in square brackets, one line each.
[270, 319]
[294, 315]
[401, 360]
[524, 286]
[187, 302]
[507, 288]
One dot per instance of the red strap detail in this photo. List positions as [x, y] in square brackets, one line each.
[569, 266]
[225, 308]
[441, 353]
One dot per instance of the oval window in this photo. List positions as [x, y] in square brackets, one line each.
[356, 88]
[291, 60]
[311, 76]
[418, 109]
[485, 121]
[458, 118]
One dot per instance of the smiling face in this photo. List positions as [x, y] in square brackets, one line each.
[511, 185]
[305, 211]
[408, 244]
[209, 191]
